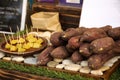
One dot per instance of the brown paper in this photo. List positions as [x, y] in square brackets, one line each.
[46, 21]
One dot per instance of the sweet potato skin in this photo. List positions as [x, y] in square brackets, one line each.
[92, 34]
[76, 57]
[84, 50]
[97, 61]
[74, 42]
[60, 52]
[69, 49]
[114, 33]
[71, 32]
[106, 28]
[56, 40]
[44, 57]
[102, 45]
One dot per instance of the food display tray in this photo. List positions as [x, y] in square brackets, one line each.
[27, 52]
[106, 75]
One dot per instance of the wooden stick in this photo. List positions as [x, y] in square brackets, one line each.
[24, 38]
[26, 29]
[11, 32]
[18, 36]
[5, 38]
[9, 38]
[37, 32]
[18, 32]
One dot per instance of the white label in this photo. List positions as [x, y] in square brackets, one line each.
[73, 1]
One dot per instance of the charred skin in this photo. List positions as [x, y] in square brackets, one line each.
[69, 49]
[56, 40]
[106, 28]
[74, 42]
[60, 52]
[92, 34]
[114, 33]
[76, 57]
[72, 32]
[98, 60]
[84, 50]
[44, 57]
[102, 45]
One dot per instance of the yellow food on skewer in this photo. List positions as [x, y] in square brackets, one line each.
[32, 40]
[20, 49]
[13, 41]
[7, 46]
[19, 45]
[29, 36]
[36, 45]
[21, 40]
[26, 46]
[30, 44]
[22, 44]
[39, 41]
[13, 48]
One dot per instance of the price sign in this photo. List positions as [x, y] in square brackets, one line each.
[12, 14]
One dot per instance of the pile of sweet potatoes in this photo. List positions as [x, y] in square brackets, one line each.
[97, 45]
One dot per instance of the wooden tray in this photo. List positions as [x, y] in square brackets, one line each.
[106, 75]
[27, 52]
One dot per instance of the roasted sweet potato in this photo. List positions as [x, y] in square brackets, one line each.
[106, 28]
[114, 33]
[102, 45]
[69, 49]
[70, 32]
[116, 49]
[76, 57]
[92, 34]
[56, 40]
[84, 50]
[117, 43]
[81, 30]
[59, 52]
[98, 60]
[44, 57]
[74, 42]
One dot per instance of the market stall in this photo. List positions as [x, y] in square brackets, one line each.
[65, 52]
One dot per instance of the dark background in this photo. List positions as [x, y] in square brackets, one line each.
[10, 14]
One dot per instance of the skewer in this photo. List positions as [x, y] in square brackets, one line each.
[26, 29]
[37, 33]
[24, 37]
[5, 38]
[9, 38]
[18, 32]
[11, 34]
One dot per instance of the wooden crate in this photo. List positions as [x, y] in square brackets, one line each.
[69, 16]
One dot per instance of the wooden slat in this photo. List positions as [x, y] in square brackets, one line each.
[16, 75]
[70, 19]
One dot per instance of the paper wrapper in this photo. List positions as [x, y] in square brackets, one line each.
[46, 21]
